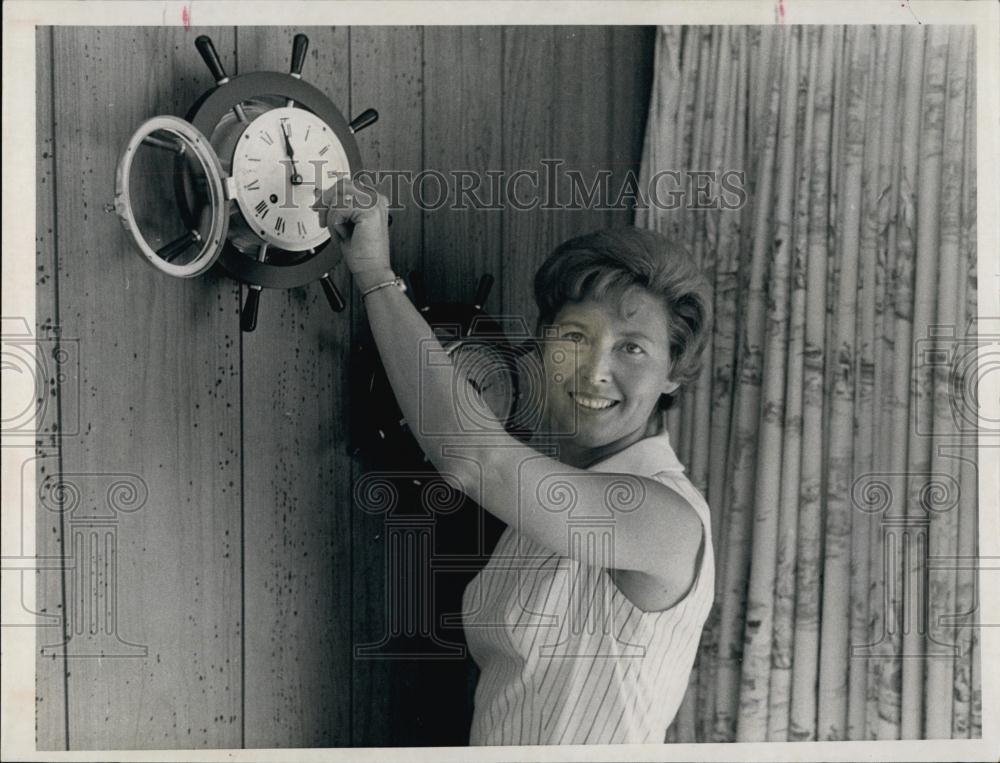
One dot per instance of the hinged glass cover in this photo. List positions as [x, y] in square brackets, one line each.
[170, 197]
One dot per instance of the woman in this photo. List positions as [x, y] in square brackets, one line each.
[586, 620]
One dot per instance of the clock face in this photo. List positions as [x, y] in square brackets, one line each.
[280, 159]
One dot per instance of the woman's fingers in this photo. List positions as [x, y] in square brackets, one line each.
[342, 230]
[345, 193]
[348, 202]
[342, 221]
[357, 216]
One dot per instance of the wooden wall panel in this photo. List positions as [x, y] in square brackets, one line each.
[159, 413]
[528, 96]
[386, 74]
[577, 95]
[462, 124]
[239, 441]
[580, 136]
[296, 484]
[462, 119]
[50, 666]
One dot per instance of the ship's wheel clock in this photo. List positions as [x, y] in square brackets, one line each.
[244, 167]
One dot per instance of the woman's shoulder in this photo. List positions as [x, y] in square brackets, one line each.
[653, 458]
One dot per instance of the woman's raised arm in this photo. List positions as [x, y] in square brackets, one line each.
[655, 530]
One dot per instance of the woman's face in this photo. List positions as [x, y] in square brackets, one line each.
[600, 397]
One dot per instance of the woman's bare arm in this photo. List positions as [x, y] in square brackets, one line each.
[655, 530]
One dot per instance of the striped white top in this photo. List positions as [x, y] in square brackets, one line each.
[564, 656]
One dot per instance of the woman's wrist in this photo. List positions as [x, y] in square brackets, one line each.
[368, 278]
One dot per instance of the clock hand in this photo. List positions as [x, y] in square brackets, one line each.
[296, 177]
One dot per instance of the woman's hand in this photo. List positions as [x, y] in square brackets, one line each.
[358, 218]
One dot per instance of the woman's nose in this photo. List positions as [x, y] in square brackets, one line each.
[595, 365]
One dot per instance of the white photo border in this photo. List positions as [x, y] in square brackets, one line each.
[17, 686]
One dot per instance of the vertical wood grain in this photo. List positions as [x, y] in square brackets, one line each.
[50, 667]
[297, 473]
[528, 95]
[580, 137]
[386, 73]
[462, 132]
[159, 409]
[240, 440]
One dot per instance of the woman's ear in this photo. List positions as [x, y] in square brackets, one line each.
[669, 387]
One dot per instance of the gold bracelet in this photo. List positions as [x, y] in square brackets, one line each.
[397, 281]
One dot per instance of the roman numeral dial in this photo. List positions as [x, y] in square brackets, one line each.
[282, 157]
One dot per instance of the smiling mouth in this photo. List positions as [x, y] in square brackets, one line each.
[593, 403]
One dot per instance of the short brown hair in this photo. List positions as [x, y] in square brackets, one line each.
[609, 262]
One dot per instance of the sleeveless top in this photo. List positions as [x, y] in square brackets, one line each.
[564, 656]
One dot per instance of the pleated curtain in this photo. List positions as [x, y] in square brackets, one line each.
[832, 430]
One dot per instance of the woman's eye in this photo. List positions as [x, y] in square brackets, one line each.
[633, 349]
[573, 336]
